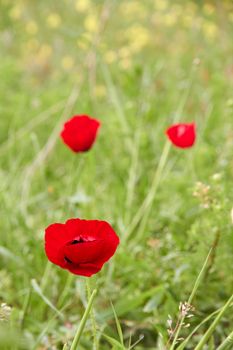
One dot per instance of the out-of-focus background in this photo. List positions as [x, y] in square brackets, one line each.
[138, 66]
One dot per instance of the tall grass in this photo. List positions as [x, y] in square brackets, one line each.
[138, 67]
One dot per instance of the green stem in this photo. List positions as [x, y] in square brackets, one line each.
[45, 276]
[78, 335]
[213, 254]
[144, 210]
[154, 188]
[228, 341]
[190, 300]
[92, 315]
[210, 330]
[183, 344]
[25, 307]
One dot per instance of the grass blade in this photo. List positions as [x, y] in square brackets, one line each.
[227, 342]
[209, 332]
[119, 330]
[116, 344]
[83, 322]
[38, 290]
[183, 344]
[190, 300]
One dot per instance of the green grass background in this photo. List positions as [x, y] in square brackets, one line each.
[137, 66]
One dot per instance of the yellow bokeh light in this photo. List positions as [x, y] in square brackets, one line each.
[124, 52]
[91, 23]
[210, 30]
[67, 62]
[161, 5]
[82, 5]
[16, 11]
[133, 9]
[110, 57]
[100, 91]
[53, 20]
[138, 36]
[170, 19]
[31, 27]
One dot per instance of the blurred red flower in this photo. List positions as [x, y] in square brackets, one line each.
[80, 246]
[182, 135]
[79, 132]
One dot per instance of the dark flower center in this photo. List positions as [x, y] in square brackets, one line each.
[76, 241]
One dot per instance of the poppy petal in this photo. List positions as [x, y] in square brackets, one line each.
[79, 133]
[85, 269]
[81, 253]
[182, 135]
[55, 238]
[79, 245]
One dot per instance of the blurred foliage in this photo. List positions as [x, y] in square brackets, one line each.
[136, 66]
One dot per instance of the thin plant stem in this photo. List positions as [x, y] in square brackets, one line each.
[25, 307]
[38, 290]
[144, 210]
[210, 330]
[190, 300]
[183, 344]
[154, 187]
[45, 276]
[92, 315]
[82, 324]
[213, 254]
[133, 171]
[175, 329]
[132, 175]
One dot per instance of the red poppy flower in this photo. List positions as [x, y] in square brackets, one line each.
[79, 132]
[80, 246]
[182, 135]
